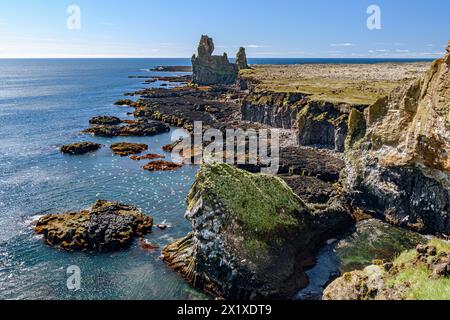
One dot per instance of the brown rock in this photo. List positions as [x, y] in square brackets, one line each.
[107, 226]
[125, 149]
[161, 165]
[149, 156]
[80, 148]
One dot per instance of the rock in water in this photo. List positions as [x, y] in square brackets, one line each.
[251, 235]
[107, 226]
[209, 69]
[161, 165]
[80, 148]
[241, 59]
[398, 155]
[125, 148]
[105, 120]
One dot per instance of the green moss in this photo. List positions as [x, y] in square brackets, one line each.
[256, 247]
[416, 277]
[356, 127]
[262, 203]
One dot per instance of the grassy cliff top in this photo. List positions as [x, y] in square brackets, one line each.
[345, 83]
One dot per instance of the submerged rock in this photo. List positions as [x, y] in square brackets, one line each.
[107, 226]
[149, 156]
[398, 154]
[125, 149]
[80, 148]
[161, 165]
[252, 236]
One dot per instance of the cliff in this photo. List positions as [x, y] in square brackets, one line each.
[398, 154]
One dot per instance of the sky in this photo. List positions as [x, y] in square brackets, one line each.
[266, 28]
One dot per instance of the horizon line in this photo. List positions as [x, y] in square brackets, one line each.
[189, 58]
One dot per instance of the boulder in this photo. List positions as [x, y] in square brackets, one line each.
[252, 236]
[80, 148]
[107, 226]
[209, 69]
[125, 149]
[398, 154]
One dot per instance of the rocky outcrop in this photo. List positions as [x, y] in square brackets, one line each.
[125, 149]
[252, 236]
[161, 165]
[105, 120]
[138, 129]
[418, 274]
[107, 226]
[149, 156]
[80, 148]
[209, 69]
[241, 59]
[398, 154]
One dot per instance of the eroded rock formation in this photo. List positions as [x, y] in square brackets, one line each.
[209, 69]
[252, 236]
[107, 226]
[398, 154]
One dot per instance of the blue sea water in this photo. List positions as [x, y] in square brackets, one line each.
[45, 104]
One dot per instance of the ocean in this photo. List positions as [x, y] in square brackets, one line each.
[45, 104]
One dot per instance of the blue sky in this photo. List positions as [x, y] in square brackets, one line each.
[267, 28]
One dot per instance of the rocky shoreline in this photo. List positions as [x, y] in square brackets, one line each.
[370, 142]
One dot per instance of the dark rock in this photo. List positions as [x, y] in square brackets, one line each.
[173, 69]
[125, 149]
[241, 59]
[107, 226]
[105, 120]
[138, 129]
[209, 69]
[80, 148]
[245, 242]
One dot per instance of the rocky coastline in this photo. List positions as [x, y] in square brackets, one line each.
[370, 142]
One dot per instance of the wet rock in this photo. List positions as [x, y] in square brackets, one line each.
[108, 226]
[209, 69]
[161, 165]
[125, 149]
[173, 69]
[398, 157]
[125, 102]
[245, 242]
[170, 147]
[80, 148]
[137, 129]
[105, 120]
[149, 156]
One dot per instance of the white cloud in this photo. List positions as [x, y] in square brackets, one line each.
[253, 46]
[342, 45]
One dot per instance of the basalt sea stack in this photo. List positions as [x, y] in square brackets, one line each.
[209, 69]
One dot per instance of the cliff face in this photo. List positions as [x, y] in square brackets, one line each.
[398, 157]
[252, 236]
[210, 70]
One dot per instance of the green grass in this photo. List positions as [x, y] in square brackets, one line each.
[416, 277]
